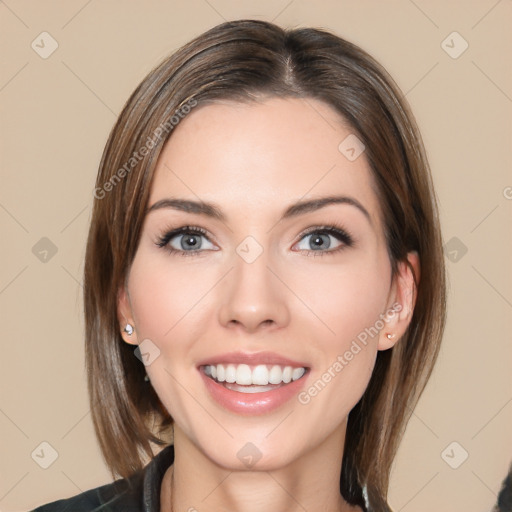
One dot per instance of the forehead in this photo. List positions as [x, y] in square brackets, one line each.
[261, 156]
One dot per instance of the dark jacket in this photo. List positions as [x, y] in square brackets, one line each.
[139, 493]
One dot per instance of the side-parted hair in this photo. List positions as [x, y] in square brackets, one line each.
[245, 61]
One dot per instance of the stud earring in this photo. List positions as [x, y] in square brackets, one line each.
[390, 336]
[128, 329]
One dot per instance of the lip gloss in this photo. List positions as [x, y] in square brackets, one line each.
[252, 403]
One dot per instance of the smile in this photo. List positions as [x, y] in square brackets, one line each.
[252, 389]
[253, 379]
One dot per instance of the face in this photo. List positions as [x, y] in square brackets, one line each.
[234, 280]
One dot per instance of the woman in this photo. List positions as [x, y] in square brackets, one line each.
[286, 350]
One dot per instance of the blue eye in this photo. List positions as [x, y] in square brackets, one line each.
[317, 241]
[324, 240]
[186, 241]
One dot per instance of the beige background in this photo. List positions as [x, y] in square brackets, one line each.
[55, 118]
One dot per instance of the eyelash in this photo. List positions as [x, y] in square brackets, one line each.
[169, 235]
[336, 230]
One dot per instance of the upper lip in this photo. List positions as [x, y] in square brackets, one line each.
[254, 358]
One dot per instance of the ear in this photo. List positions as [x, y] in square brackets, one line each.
[401, 302]
[125, 316]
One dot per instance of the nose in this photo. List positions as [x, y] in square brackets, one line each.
[253, 298]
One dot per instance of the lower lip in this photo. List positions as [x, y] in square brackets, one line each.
[252, 403]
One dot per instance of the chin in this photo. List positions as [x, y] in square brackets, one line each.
[252, 450]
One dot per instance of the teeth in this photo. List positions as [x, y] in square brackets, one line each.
[297, 373]
[276, 375]
[261, 375]
[231, 373]
[243, 375]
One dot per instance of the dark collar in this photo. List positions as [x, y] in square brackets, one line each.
[153, 475]
[140, 492]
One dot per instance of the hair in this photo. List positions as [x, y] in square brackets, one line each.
[242, 61]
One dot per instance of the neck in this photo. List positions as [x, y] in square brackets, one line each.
[310, 482]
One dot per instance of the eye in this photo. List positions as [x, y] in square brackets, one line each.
[325, 239]
[185, 241]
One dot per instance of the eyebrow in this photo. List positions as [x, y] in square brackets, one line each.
[294, 210]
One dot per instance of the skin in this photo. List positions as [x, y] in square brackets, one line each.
[253, 160]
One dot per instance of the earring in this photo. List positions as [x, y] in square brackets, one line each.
[128, 329]
[146, 378]
[390, 336]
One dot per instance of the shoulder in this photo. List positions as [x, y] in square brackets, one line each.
[139, 493]
[119, 495]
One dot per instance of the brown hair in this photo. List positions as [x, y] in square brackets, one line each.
[241, 61]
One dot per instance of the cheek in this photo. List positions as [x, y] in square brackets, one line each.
[167, 302]
[348, 299]
[163, 294]
[349, 307]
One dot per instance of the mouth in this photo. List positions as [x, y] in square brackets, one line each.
[258, 385]
[245, 378]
